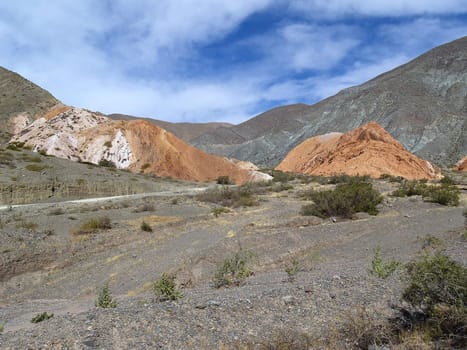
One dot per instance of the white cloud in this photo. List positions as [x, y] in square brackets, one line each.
[391, 8]
[143, 57]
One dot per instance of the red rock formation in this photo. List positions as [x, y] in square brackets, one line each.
[368, 150]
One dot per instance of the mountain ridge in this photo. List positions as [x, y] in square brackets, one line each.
[423, 103]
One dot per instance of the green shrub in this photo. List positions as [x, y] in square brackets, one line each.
[165, 288]
[224, 180]
[347, 179]
[447, 180]
[229, 197]
[379, 267]
[41, 317]
[281, 176]
[344, 201]
[145, 166]
[146, 227]
[105, 299]
[437, 285]
[234, 270]
[444, 194]
[292, 270]
[219, 210]
[409, 188]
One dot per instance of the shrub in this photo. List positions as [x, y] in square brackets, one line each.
[165, 288]
[94, 224]
[57, 211]
[145, 166]
[2, 327]
[281, 176]
[345, 200]
[146, 227]
[219, 210]
[409, 188]
[229, 197]
[292, 270]
[379, 267]
[107, 144]
[234, 270]
[437, 285]
[144, 207]
[347, 179]
[35, 167]
[445, 194]
[41, 317]
[105, 299]
[447, 180]
[28, 225]
[106, 163]
[224, 180]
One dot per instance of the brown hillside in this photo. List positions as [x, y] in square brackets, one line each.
[167, 155]
[367, 150]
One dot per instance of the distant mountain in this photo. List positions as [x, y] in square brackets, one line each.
[185, 131]
[21, 102]
[367, 150]
[137, 145]
[423, 104]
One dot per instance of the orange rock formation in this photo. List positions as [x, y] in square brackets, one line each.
[462, 164]
[367, 150]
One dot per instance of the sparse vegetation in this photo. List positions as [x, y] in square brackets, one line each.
[165, 288]
[105, 299]
[107, 163]
[41, 317]
[95, 224]
[36, 167]
[347, 179]
[224, 180]
[234, 270]
[107, 144]
[229, 197]
[292, 270]
[219, 210]
[145, 166]
[344, 201]
[57, 211]
[379, 267]
[437, 287]
[144, 207]
[2, 327]
[446, 193]
[28, 225]
[145, 227]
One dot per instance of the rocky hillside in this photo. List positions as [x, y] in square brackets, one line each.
[184, 131]
[138, 145]
[21, 101]
[423, 104]
[367, 150]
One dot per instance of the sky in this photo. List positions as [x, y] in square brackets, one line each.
[215, 60]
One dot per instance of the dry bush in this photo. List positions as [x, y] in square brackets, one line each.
[93, 225]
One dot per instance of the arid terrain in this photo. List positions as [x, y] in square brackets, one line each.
[49, 264]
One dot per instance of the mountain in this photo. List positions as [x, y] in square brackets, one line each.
[21, 102]
[137, 145]
[422, 103]
[367, 150]
[185, 131]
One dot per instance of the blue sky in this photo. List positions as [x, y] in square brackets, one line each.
[215, 60]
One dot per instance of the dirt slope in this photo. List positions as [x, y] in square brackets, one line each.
[368, 150]
[138, 145]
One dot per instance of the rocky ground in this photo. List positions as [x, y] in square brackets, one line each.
[48, 265]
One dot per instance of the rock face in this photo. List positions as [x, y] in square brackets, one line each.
[462, 164]
[138, 145]
[22, 102]
[422, 103]
[367, 150]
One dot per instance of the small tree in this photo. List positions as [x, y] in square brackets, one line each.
[165, 288]
[104, 299]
